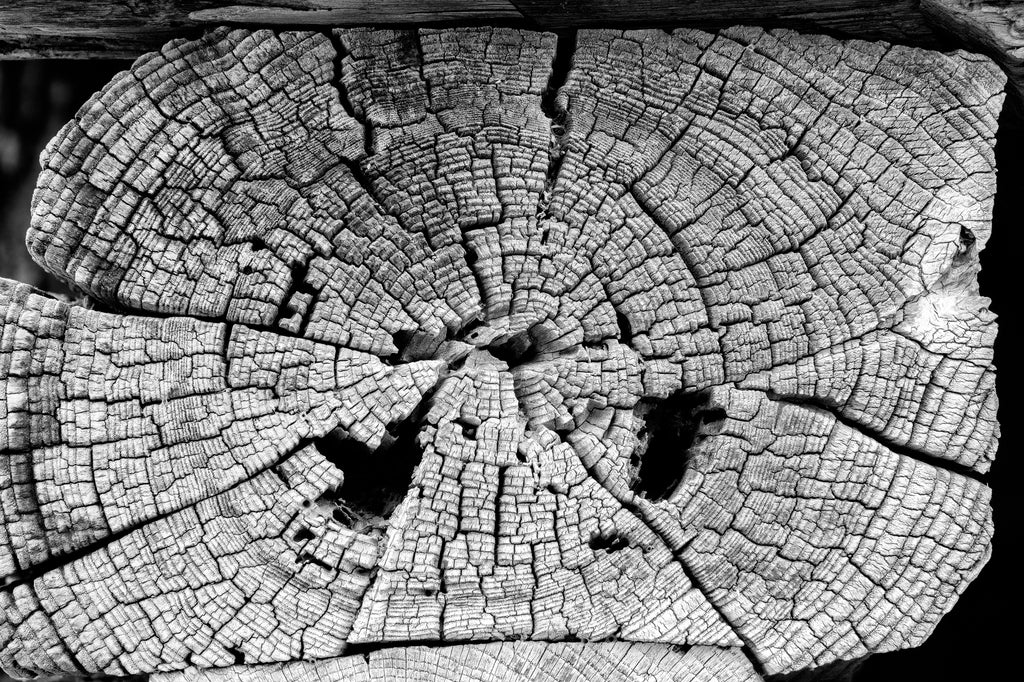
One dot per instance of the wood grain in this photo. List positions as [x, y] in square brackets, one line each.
[499, 661]
[126, 29]
[679, 335]
[992, 27]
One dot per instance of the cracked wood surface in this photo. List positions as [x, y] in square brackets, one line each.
[540, 661]
[679, 333]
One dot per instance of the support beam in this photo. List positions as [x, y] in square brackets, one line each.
[128, 28]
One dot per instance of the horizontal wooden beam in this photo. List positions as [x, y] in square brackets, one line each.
[127, 28]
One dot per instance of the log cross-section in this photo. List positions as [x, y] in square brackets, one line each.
[611, 355]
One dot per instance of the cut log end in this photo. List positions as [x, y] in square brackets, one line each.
[614, 355]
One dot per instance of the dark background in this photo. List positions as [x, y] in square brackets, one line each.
[976, 641]
[37, 97]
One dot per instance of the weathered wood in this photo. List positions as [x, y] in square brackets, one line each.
[115, 28]
[501, 661]
[678, 333]
[990, 26]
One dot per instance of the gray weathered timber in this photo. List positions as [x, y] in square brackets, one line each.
[535, 661]
[990, 26]
[461, 336]
[119, 29]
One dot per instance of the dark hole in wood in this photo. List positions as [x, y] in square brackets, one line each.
[281, 476]
[608, 542]
[402, 338]
[967, 237]
[671, 427]
[967, 241]
[237, 653]
[516, 350]
[468, 429]
[375, 481]
[414, 345]
[303, 535]
[625, 328]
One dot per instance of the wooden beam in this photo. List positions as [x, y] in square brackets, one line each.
[127, 28]
[995, 28]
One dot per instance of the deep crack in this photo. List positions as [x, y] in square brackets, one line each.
[880, 438]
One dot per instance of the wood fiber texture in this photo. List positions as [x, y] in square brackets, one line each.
[680, 330]
[497, 661]
[127, 28]
[995, 27]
